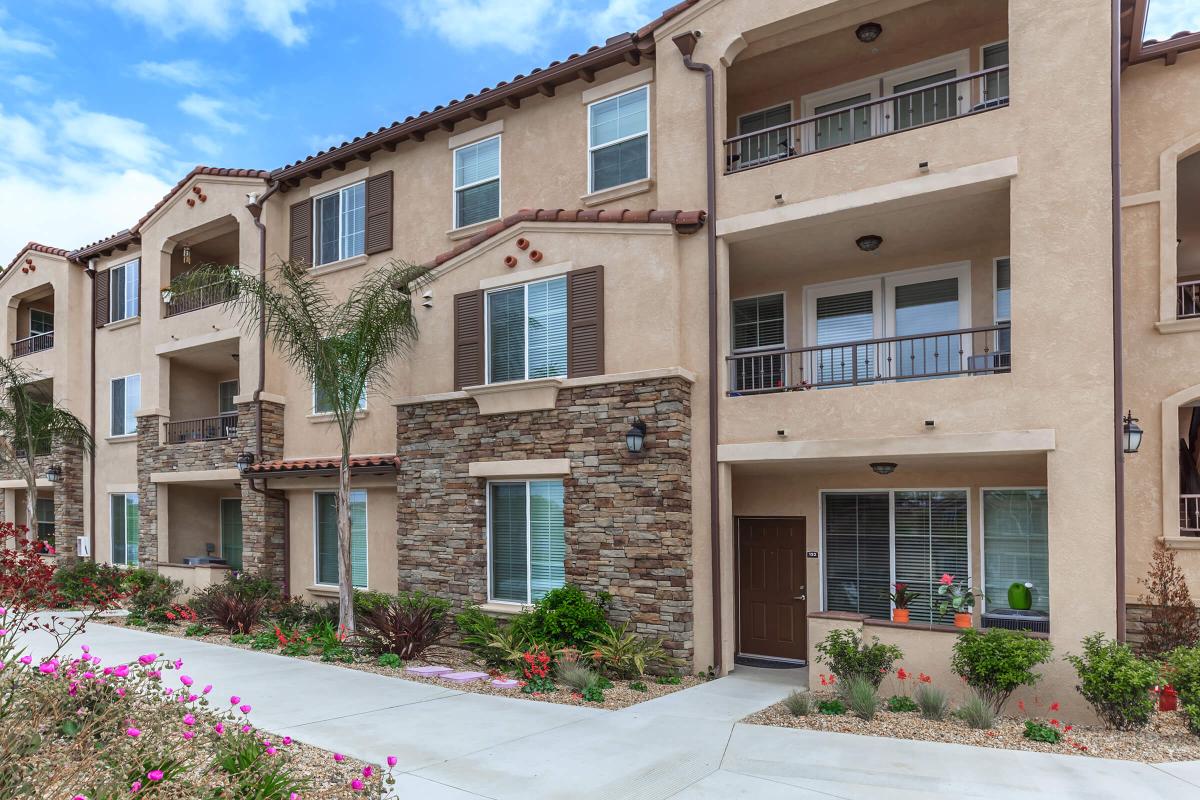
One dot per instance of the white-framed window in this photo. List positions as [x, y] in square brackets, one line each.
[872, 540]
[123, 291]
[325, 514]
[125, 397]
[759, 326]
[123, 527]
[934, 104]
[526, 544]
[340, 224]
[231, 530]
[226, 392]
[619, 139]
[994, 90]
[44, 510]
[477, 182]
[526, 329]
[1002, 269]
[40, 322]
[1016, 546]
[321, 403]
[766, 146]
[850, 125]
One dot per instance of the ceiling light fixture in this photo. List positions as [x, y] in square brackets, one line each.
[869, 243]
[868, 32]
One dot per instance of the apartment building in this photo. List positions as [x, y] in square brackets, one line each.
[897, 362]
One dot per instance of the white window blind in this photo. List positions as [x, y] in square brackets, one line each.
[231, 531]
[526, 542]
[328, 570]
[619, 139]
[340, 226]
[527, 331]
[857, 553]
[123, 291]
[126, 397]
[845, 318]
[477, 182]
[931, 540]
[1016, 545]
[776, 144]
[927, 307]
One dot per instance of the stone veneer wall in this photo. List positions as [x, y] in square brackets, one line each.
[262, 518]
[68, 496]
[628, 518]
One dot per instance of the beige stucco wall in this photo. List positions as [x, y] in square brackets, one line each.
[194, 518]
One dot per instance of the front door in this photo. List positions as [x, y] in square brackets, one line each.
[772, 598]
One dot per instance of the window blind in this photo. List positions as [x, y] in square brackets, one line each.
[931, 105]
[327, 228]
[769, 145]
[849, 126]
[758, 322]
[44, 509]
[354, 220]
[1016, 545]
[1003, 290]
[995, 86]
[328, 571]
[931, 539]
[509, 554]
[857, 553]
[358, 538]
[132, 523]
[547, 332]
[126, 397]
[845, 318]
[231, 531]
[547, 546]
[619, 139]
[123, 527]
[477, 182]
[506, 335]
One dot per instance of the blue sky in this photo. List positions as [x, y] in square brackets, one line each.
[105, 104]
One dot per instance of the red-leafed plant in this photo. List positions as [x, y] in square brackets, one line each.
[406, 624]
[1173, 620]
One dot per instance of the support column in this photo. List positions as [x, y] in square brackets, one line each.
[262, 517]
[68, 503]
[148, 428]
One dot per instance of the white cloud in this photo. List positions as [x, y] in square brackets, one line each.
[623, 15]
[326, 141]
[69, 176]
[221, 18]
[213, 111]
[14, 44]
[26, 83]
[184, 72]
[1164, 18]
[205, 145]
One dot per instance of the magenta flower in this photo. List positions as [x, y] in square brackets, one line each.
[187, 736]
[3, 632]
[185, 680]
[391, 761]
[3, 611]
[133, 732]
[356, 785]
[179, 663]
[338, 757]
[294, 796]
[147, 659]
[245, 709]
[271, 751]
[86, 649]
[47, 668]
[191, 698]
[287, 740]
[135, 787]
[233, 701]
[120, 691]
[246, 729]
[189, 719]
[219, 728]
[26, 660]
[367, 771]
[155, 775]
[207, 688]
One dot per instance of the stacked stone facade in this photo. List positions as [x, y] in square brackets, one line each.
[628, 520]
[262, 518]
[68, 496]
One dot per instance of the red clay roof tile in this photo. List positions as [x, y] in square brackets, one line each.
[35, 247]
[315, 464]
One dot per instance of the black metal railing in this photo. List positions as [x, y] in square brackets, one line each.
[205, 429]
[1187, 299]
[194, 299]
[33, 344]
[915, 108]
[968, 351]
[1189, 515]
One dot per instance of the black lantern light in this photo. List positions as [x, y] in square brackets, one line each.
[1133, 433]
[54, 473]
[869, 243]
[244, 460]
[883, 467]
[868, 32]
[635, 437]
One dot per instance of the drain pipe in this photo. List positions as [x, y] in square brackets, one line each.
[1118, 333]
[686, 42]
[254, 203]
[91, 273]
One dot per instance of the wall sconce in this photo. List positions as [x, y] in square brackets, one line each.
[868, 32]
[1133, 433]
[635, 437]
[187, 254]
[883, 467]
[244, 460]
[54, 473]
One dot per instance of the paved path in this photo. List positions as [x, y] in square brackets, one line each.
[687, 746]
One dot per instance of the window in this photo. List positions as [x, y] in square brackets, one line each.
[44, 509]
[126, 397]
[226, 392]
[526, 546]
[322, 404]
[123, 285]
[40, 322]
[231, 531]
[527, 331]
[123, 527]
[1015, 545]
[758, 324]
[842, 318]
[1003, 309]
[477, 182]
[767, 146]
[339, 228]
[619, 139]
[327, 538]
[995, 86]
[873, 540]
[844, 128]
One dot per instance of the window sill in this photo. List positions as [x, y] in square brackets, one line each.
[323, 590]
[122, 323]
[1178, 325]
[1182, 542]
[617, 192]
[467, 231]
[338, 266]
[124, 437]
[325, 419]
[503, 609]
[511, 397]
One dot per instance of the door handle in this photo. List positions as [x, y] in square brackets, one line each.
[800, 597]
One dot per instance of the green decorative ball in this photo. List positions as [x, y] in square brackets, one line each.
[1020, 596]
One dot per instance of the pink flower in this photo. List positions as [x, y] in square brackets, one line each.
[233, 701]
[219, 728]
[189, 719]
[356, 785]
[86, 649]
[294, 796]
[338, 757]
[271, 751]
[246, 729]
[147, 659]
[391, 761]
[947, 579]
[135, 787]
[367, 771]
[179, 663]
[47, 668]
[185, 680]
[120, 691]
[155, 775]
[132, 732]
[26, 660]
[191, 698]
[187, 735]
[245, 709]
[207, 688]
[3, 632]
[287, 740]
[122, 671]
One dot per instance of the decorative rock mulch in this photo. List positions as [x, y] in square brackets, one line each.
[1165, 738]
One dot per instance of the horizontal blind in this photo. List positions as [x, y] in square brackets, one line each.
[231, 532]
[547, 328]
[354, 220]
[506, 335]
[1003, 290]
[327, 228]
[509, 554]
[620, 117]
[478, 203]
[358, 538]
[547, 545]
[132, 526]
[117, 410]
[758, 322]
[931, 539]
[857, 553]
[1016, 545]
[620, 163]
[845, 318]
[327, 551]
[116, 524]
[477, 162]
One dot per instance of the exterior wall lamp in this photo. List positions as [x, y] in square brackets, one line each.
[244, 460]
[1133, 433]
[54, 473]
[635, 437]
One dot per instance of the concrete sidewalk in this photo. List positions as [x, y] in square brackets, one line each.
[454, 745]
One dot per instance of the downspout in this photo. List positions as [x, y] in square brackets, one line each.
[91, 273]
[686, 42]
[255, 206]
[1118, 334]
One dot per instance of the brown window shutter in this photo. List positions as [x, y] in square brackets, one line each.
[379, 213]
[585, 322]
[468, 339]
[300, 248]
[100, 293]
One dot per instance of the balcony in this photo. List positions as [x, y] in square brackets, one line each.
[176, 303]
[33, 344]
[204, 429]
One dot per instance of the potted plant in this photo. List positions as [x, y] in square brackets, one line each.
[901, 598]
[960, 599]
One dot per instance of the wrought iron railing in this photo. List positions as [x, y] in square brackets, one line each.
[33, 344]
[206, 429]
[194, 299]
[968, 351]
[1189, 515]
[915, 108]
[1187, 299]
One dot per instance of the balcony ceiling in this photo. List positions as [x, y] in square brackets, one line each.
[216, 358]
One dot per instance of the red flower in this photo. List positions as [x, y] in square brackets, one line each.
[901, 674]
[1069, 727]
[923, 678]
[1054, 722]
[1021, 705]
[1054, 706]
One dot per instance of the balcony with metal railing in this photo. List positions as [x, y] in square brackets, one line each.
[176, 303]
[36, 343]
[203, 429]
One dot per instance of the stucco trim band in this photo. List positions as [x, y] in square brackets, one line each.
[197, 476]
[521, 468]
[515, 396]
[1007, 442]
[15, 483]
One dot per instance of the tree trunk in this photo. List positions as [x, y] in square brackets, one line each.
[30, 502]
[345, 577]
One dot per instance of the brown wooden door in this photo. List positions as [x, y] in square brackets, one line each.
[772, 598]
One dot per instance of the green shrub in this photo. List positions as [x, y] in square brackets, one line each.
[390, 660]
[565, 617]
[668, 680]
[576, 676]
[932, 702]
[1115, 682]
[1183, 672]
[84, 582]
[901, 704]
[1192, 714]
[264, 640]
[197, 629]
[977, 712]
[832, 708]
[238, 603]
[1037, 732]
[152, 594]
[798, 704]
[477, 632]
[366, 601]
[996, 663]
[625, 654]
[847, 656]
[291, 613]
[638, 686]
[862, 696]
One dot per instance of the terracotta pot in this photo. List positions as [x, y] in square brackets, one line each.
[899, 615]
[962, 619]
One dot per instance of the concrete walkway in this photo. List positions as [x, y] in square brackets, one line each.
[460, 746]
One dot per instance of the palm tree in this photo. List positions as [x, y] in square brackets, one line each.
[29, 424]
[340, 347]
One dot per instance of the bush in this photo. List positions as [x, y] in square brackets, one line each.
[578, 678]
[151, 594]
[1115, 682]
[1173, 619]
[84, 582]
[1182, 669]
[1192, 714]
[977, 711]
[407, 624]
[862, 696]
[638, 686]
[366, 601]
[848, 656]
[1038, 732]
[389, 660]
[625, 654]
[237, 603]
[566, 616]
[476, 630]
[291, 613]
[901, 704]
[832, 708]
[798, 704]
[668, 680]
[932, 702]
[996, 663]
